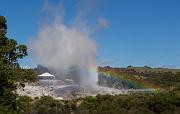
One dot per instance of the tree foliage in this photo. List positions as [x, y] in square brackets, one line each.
[10, 52]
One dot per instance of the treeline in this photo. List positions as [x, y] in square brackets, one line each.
[145, 71]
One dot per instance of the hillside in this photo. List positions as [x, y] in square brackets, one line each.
[143, 77]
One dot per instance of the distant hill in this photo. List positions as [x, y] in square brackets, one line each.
[143, 69]
[142, 77]
[149, 69]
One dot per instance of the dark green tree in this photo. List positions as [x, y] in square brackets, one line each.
[10, 52]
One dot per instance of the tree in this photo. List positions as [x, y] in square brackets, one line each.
[10, 52]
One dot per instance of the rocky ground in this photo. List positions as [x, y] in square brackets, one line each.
[67, 90]
[35, 90]
[61, 90]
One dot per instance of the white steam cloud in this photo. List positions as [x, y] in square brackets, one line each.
[62, 48]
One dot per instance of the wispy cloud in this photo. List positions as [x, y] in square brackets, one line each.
[103, 23]
[52, 12]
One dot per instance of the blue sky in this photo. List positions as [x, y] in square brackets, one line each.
[139, 32]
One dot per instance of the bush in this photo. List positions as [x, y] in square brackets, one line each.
[6, 110]
[23, 104]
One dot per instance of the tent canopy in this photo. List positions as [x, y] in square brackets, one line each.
[46, 74]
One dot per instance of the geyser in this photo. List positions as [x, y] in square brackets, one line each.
[62, 48]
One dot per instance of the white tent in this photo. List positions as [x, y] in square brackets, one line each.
[46, 76]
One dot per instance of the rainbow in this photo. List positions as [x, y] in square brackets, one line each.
[136, 82]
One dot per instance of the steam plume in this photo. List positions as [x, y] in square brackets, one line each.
[61, 48]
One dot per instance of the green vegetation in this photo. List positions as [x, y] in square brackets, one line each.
[156, 103]
[24, 75]
[145, 76]
[149, 69]
[10, 52]
[164, 103]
